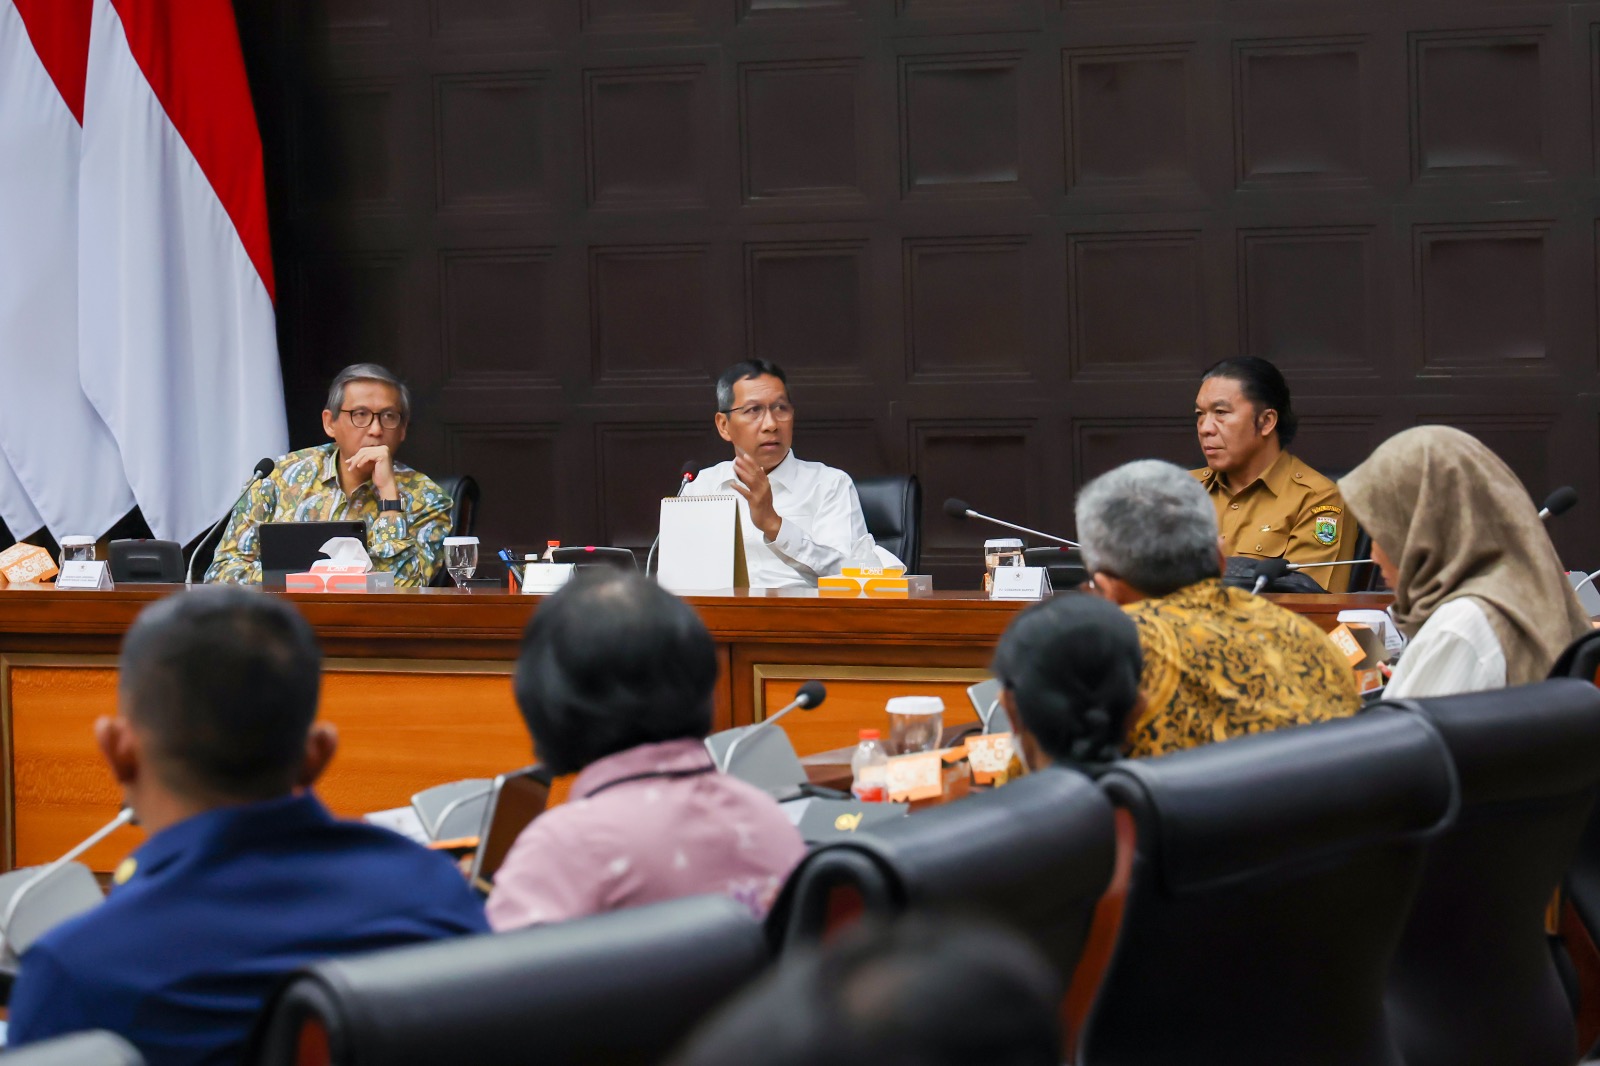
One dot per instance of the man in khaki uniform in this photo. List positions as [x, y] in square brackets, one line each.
[1269, 503]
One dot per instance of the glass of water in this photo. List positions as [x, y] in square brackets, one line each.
[460, 558]
[77, 549]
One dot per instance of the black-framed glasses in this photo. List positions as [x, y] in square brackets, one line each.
[782, 411]
[361, 418]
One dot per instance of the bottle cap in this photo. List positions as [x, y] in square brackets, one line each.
[915, 705]
[870, 734]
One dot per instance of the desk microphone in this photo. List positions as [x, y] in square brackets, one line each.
[959, 509]
[263, 468]
[59, 908]
[810, 696]
[1558, 502]
[685, 475]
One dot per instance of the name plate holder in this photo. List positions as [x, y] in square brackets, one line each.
[539, 579]
[85, 575]
[1020, 583]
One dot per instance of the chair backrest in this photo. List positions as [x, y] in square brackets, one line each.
[1474, 980]
[93, 1048]
[619, 988]
[1036, 855]
[1581, 659]
[1272, 876]
[892, 508]
[463, 492]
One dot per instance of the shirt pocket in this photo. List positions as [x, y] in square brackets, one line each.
[1270, 544]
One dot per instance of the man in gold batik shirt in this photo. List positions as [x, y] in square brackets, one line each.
[1218, 661]
[1269, 503]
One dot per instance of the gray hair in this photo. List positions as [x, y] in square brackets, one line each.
[743, 371]
[1151, 524]
[368, 372]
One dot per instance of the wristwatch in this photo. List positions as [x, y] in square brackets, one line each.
[390, 505]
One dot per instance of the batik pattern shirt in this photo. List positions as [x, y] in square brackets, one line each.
[1220, 663]
[304, 487]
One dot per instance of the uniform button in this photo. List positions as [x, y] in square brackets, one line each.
[1258, 547]
[1234, 506]
[1298, 475]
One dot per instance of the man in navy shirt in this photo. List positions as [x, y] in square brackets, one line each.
[245, 876]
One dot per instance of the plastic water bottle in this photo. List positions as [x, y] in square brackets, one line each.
[870, 768]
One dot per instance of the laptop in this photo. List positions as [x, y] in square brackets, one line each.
[291, 547]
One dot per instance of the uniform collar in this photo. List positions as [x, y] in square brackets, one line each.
[285, 816]
[667, 757]
[1275, 478]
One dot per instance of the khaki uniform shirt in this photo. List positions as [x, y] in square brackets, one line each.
[1290, 512]
[1221, 663]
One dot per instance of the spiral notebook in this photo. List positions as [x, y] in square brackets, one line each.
[702, 544]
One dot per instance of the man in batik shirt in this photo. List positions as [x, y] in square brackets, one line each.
[354, 477]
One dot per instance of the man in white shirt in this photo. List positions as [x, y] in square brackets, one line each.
[801, 520]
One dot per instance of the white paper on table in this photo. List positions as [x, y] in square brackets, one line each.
[702, 545]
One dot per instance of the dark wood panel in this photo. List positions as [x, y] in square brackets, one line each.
[995, 242]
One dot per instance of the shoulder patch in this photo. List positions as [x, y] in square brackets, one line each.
[1326, 528]
[1327, 508]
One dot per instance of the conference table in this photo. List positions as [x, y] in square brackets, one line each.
[417, 683]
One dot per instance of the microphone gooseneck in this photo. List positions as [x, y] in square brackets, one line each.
[810, 696]
[686, 473]
[958, 509]
[263, 469]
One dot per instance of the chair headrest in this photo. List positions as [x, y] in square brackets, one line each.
[1052, 827]
[552, 987]
[1256, 805]
[1519, 743]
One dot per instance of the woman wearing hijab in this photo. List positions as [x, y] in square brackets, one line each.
[1478, 589]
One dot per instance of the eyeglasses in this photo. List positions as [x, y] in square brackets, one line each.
[756, 412]
[361, 418]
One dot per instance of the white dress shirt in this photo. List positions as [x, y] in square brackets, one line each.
[822, 523]
[1455, 651]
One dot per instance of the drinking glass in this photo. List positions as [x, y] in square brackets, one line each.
[77, 549]
[460, 558]
[1001, 551]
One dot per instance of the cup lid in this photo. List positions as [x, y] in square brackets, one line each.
[75, 540]
[1003, 542]
[915, 705]
[448, 541]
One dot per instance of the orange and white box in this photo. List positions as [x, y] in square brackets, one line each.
[22, 563]
[891, 581]
[339, 579]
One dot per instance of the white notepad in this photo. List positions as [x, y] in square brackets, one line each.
[702, 545]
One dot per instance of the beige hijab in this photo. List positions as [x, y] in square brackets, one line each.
[1456, 522]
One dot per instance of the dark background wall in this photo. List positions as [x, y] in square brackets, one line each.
[994, 242]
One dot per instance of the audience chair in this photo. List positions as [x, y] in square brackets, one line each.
[1036, 855]
[1579, 918]
[619, 988]
[892, 507]
[1473, 983]
[1581, 658]
[1272, 875]
[93, 1048]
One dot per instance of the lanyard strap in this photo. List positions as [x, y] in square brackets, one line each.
[670, 775]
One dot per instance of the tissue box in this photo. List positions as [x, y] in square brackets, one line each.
[22, 563]
[892, 581]
[334, 581]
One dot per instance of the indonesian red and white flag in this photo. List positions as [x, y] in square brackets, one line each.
[177, 344]
[59, 464]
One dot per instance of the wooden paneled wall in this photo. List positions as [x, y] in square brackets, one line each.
[993, 241]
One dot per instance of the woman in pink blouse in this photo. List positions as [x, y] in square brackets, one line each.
[615, 682]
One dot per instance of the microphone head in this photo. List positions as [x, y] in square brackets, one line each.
[956, 508]
[811, 695]
[1561, 500]
[689, 470]
[1271, 569]
[265, 467]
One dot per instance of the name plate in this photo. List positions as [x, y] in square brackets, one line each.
[1020, 583]
[540, 578]
[80, 574]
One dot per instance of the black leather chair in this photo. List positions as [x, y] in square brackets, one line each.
[93, 1048]
[618, 988]
[1473, 983]
[1272, 876]
[892, 507]
[1036, 854]
[1581, 658]
[463, 492]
